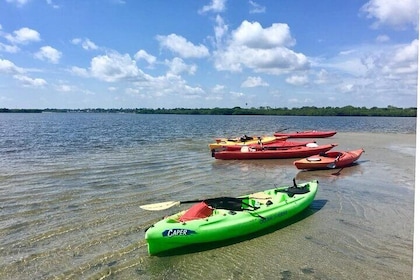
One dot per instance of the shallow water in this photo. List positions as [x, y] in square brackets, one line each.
[71, 186]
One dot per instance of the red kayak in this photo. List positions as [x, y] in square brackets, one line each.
[306, 134]
[293, 152]
[280, 143]
[331, 159]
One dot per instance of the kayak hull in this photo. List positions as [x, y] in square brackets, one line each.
[274, 206]
[329, 160]
[292, 152]
[306, 134]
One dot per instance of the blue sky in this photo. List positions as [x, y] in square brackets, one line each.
[206, 54]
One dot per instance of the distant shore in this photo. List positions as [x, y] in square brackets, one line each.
[389, 111]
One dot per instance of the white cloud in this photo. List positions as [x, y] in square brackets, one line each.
[178, 66]
[9, 48]
[262, 50]
[397, 14]
[371, 71]
[8, 67]
[113, 67]
[169, 85]
[89, 45]
[251, 82]
[48, 53]
[30, 82]
[346, 88]
[132, 91]
[297, 80]
[64, 88]
[215, 6]
[256, 8]
[23, 36]
[403, 60]
[86, 44]
[182, 47]
[322, 77]
[252, 35]
[79, 71]
[236, 94]
[218, 88]
[142, 54]
[220, 30]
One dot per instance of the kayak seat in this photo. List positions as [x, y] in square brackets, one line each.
[246, 138]
[227, 203]
[334, 154]
[198, 211]
[291, 191]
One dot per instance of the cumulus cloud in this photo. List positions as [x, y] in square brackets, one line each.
[78, 71]
[23, 36]
[86, 44]
[142, 54]
[253, 35]
[218, 88]
[397, 14]
[8, 67]
[9, 48]
[89, 45]
[30, 82]
[178, 66]
[262, 50]
[402, 60]
[251, 82]
[375, 71]
[113, 67]
[215, 6]
[182, 47]
[297, 80]
[169, 84]
[48, 53]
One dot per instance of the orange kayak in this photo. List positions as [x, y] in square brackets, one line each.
[331, 159]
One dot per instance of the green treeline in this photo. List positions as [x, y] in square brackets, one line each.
[389, 111]
[4, 110]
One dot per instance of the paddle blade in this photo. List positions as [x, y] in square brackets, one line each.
[160, 206]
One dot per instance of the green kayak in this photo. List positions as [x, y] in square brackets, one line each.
[223, 218]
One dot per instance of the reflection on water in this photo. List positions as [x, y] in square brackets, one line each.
[355, 169]
[71, 186]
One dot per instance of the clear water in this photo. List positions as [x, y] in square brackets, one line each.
[71, 186]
